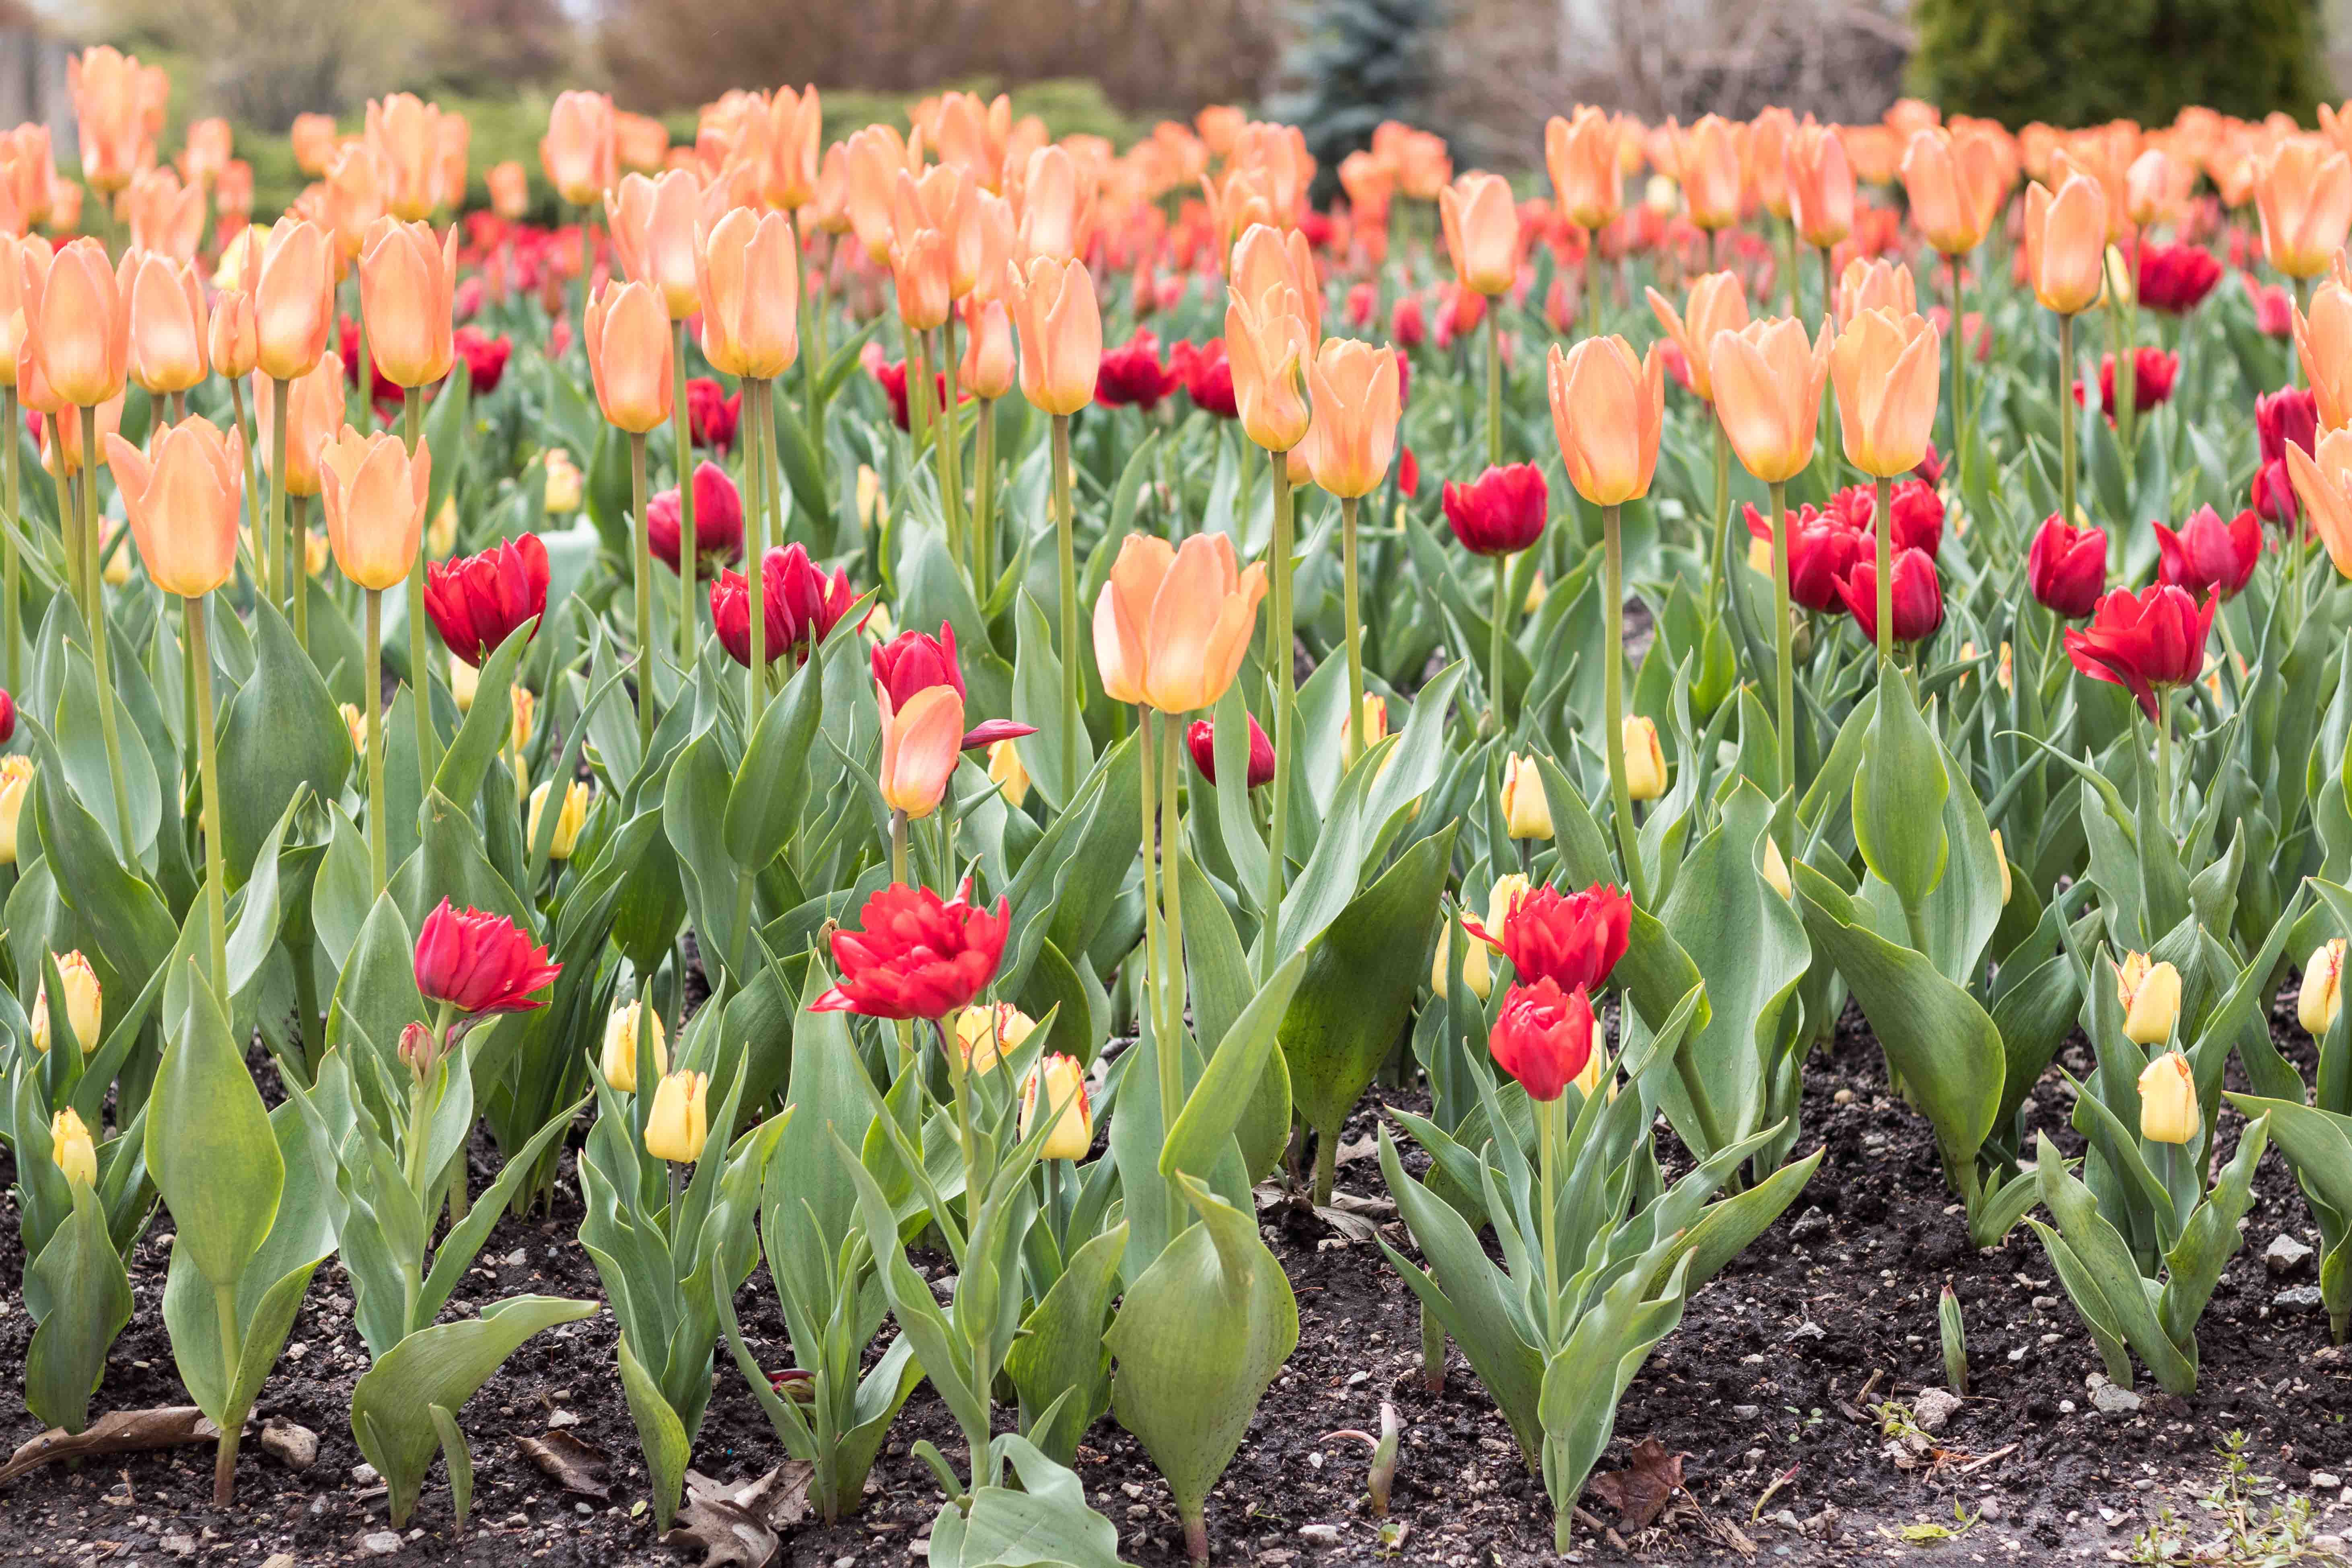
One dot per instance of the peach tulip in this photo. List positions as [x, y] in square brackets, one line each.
[109, 92]
[230, 345]
[167, 324]
[12, 298]
[293, 298]
[2323, 482]
[28, 173]
[1607, 409]
[942, 200]
[1056, 210]
[406, 133]
[183, 501]
[166, 217]
[922, 277]
[639, 141]
[1874, 283]
[578, 151]
[1053, 305]
[1706, 166]
[748, 278]
[2322, 341]
[314, 412]
[232, 191]
[375, 490]
[1949, 180]
[66, 457]
[205, 151]
[1768, 382]
[1716, 304]
[1356, 394]
[315, 138]
[627, 335]
[2065, 244]
[509, 190]
[920, 744]
[76, 321]
[652, 225]
[1820, 187]
[1886, 366]
[1764, 155]
[1172, 624]
[354, 194]
[796, 120]
[828, 209]
[1268, 344]
[989, 365]
[1482, 231]
[407, 284]
[877, 157]
[2303, 193]
[1582, 155]
[1264, 257]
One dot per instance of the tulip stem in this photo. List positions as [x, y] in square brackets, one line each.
[2294, 376]
[10, 618]
[98, 654]
[689, 548]
[645, 596]
[1285, 669]
[250, 501]
[1882, 523]
[1497, 634]
[2066, 417]
[984, 495]
[276, 547]
[1612, 685]
[2125, 412]
[200, 670]
[758, 399]
[950, 456]
[1066, 543]
[372, 651]
[232, 1427]
[1956, 345]
[1494, 384]
[1149, 994]
[298, 567]
[1171, 887]
[1547, 1220]
[1352, 627]
[2163, 758]
[1796, 277]
[420, 659]
[1722, 506]
[1785, 680]
[899, 875]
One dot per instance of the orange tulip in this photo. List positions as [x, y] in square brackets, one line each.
[748, 278]
[167, 324]
[406, 133]
[998, 244]
[293, 298]
[110, 116]
[1219, 125]
[375, 492]
[1885, 366]
[2158, 186]
[204, 151]
[829, 208]
[65, 206]
[945, 201]
[1947, 201]
[877, 157]
[652, 225]
[233, 190]
[407, 284]
[1874, 283]
[352, 196]
[1056, 213]
[230, 346]
[1767, 383]
[509, 190]
[76, 321]
[453, 152]
[921, 278]
[2303, 193]
[629, 356]
[1706, 166]
[1419, 157]
[2065, 244]
[988, 366]
[1766, 153]
[68, 450]
[920, 745]
[1267, 343]
[1607, 409]
[315, 138]
[1172, 624]
[314, 412]
[1716, 304]
[578, 151]
[1482, 231]
[1265, 258]
[12, 298]
[1356, 394]
[971, 135]
[26, 176]
[1370, 185]
[2323, 482]
[183, 502]
[166, 217]
[1820, 187]
[2322, 341]
[639, 141]
[794, 124]
[1053, 305]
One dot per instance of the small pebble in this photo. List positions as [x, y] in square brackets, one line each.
[380, 1542]
[1319, 1534]
[2285, 1254]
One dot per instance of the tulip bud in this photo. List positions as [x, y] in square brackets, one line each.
[984, 1035]
[620, 1058]
[2168, 1099]
[2000, 854]
[570, 818]
[564, 482]
[525, 708]
[420, 1050]
[1776, 871]
[1599, 1070]
[1524, 809]
[2150, 993]
[230, 342]
[1064, 1086]
[677, 1126]
[1645, 763]
[465, 681]
[84, 1004]
[2323, 989]
[1005, 770]
[16, 774]
[71, 1148]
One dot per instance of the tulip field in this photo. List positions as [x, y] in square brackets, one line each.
[972, 848]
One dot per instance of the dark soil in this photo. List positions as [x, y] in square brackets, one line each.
[1774, 1377]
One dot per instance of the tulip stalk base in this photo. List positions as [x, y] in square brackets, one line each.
[689, 547]
[644, 594]
[233, 1428]
[371, 650]
[420, 673]
[1284, 670]
[94, 577]
[200, 676]
[1066, 548]
[1353, 621]
[1613, 685]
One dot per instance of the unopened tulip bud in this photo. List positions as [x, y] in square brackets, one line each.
[1645, 763]
[2168, 1100]
[1524, 809]
[619, 1060]
[1061, 1083]
[1005, 770]
[569, 818]
[16, 775]
[465, 681]
[564, 483]
[986, 1034]
[678, 1124]
[2000, 854]
[84, 1004]
[71, 1147]
[2150, 993]
[1776, 871]
[420, 1050]
[2323, 989]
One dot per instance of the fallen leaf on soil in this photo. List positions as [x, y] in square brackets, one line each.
[740, 1525]
[116, 1432]
[1641, 1490]
[576, 1467]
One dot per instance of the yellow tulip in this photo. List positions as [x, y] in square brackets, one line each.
[986, 1034]
[2167, 1100]
[1061, 1083]
[1645, 760]
[85, 1006]
[72, 1148]
[1525, 812]
[570, 818]
[2322, 988]
[677, 1125]
[2150, 995]
[620, 1054]
[16, 774]
[1005, 770]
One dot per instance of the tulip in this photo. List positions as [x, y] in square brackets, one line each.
[2067, 567]
[1133, 375]
[2323, 484]
[1172, 624]
[1768, 382]
[2150, 995]
[1201, 739]
[2323, 345]
[1582, 155]
[1952, 187]
[1607, 411]
[989, 364]
[1056, 210]
[314, 412]
[1006, 771]
[509, 188]
[2065, 239]
[802, 604]
[1915, 599]
[2322, 988]
[476, 603]
[167, 219]
[570, 816]
[915, 955]
[168, 351]
[293, 300]
[920, 741]
[1876, 284]
[2208, 555]
[479, 963]
[795, 122]
[406, 133]
[1060, 1083]
[108, 101]
[1482, 231]
[2175, 279]
[913, 660]
[1267, 343]
[85, 1003]
[628, 346]
[1053, 305]
[231, 346]
[375, 490]
[718, 521]
[2168, 1100]
[183, 502]
[1499, 513]
[653, 226]
[72, 1150]
[1526, 812]
[1716, 305]
[619, 1060]
[677, 1125]
[76, 321]
[1357, 401]
[578, 151]
[1820, 187]
[2147, 642]
[1706, 166]
[1542, 1037]
[1885, 368]
[1645, 760]
[986, 1034]
[407, 283]
[2302, 191]
[748, 280]
[1823, 546]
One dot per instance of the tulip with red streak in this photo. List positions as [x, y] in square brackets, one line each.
[1917, 598]
[1201, 736]
[915, 954]
[2147, 642]
[1573, 940]
[1208, 376]
[1501, 512]
[1133, 375]
[2208, 555]
[477, 601]
[1543, 1037]
[914, 660]
[2175, 279]
[718, 521]
[480, 962]
[2067, 567]
[2152, 371]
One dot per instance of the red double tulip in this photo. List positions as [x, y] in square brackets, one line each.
[2287, 417]
[2208, 555]
[718, 521]
[2067, 567]
[2152, 371]
[713, 416]
[1501, 511]
[484, 357]
[1543, 1037]
[1822, 548]
[2148, 641]
[916, 954]
[1133, 373]
[1200, 735]
[477, 601]
[1208, 376]
[1918, 513]
[1573, 940]
[480, 962]
[913, 660]
[1917, 599]
[803, 604]
[2175, 279]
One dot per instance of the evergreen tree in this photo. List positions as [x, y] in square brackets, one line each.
[1357, 63]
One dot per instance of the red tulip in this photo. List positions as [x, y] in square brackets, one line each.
[1822, 548]
[2151, 639]
[1918, 514]
[8, 729]
[915, 955]
[2287, 417]
[913, 660]
[1407, 329]
[1501, 511]
[1208, 376]
[1930, 470]
[1543, 1037]
[1133, 373]
[476, 601]
[2273, 307]
[1917, 599]
[2176, 277]
[484, 357]
[2067, 567]
[1200, 735]
[803, 604]
[892, 375]
[479, 963]
[2208, 555]
[1573, 940]
[1408, 471]
[2152, 375]
[714, 416]
[718, 520]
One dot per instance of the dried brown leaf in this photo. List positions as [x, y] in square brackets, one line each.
[116, 1432]
[741, 1526]
[575, 1466]
[1639, 1493]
